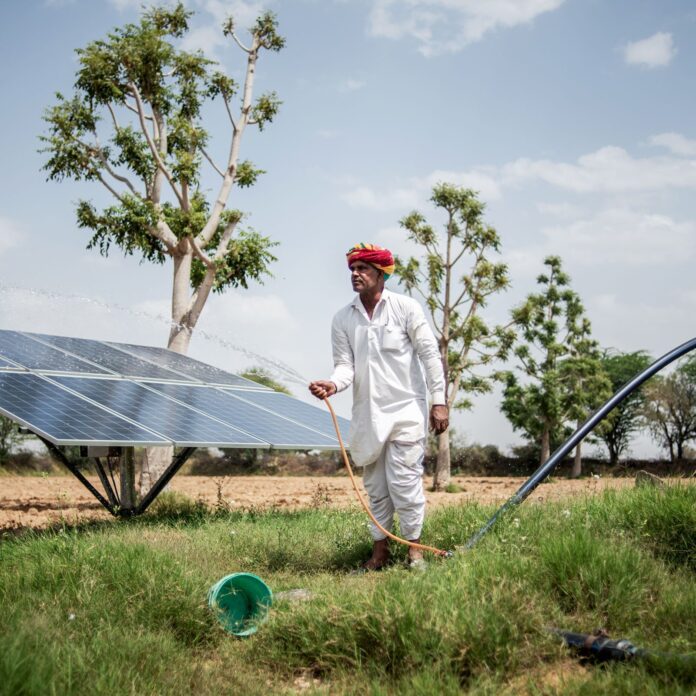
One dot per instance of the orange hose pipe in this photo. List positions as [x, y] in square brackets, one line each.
[413, 544]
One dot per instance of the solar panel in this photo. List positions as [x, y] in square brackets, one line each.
[182, 425]
[64, 418]
[271, 427]
[153, 394]
[112, 359]
[38, 356]
[317, 418]
[187, 366]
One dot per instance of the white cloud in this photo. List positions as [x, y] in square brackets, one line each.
[626, 238]
[238, 330]
[394, 199]
[351, 85]
[447, 26]
[610, 169]
[416, 191]
[479, 180]
[244, 12]
[675, 143]
[10, 235]
[622, 321]
[207, 38]
[617, 238]
[47, 311]
[396, 239]
[656, 51]
[559, 210]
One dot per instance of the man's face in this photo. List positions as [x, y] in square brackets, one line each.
[364, 277]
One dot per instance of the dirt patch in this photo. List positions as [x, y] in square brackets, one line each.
[37, 502]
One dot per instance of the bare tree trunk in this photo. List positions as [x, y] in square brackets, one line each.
[127, 476]
[442, 475]
[157, 459]
[545, 445]
[576, 471]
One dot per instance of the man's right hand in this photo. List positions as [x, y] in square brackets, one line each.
[322, 388]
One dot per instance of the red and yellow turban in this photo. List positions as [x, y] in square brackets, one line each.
[376, 256]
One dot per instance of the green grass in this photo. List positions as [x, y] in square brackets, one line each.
[120, 607]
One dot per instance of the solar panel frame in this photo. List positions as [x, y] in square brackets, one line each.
[274, 428]
[7, 364]
[41, 357]
[162, 356]
[171, 419]
[59, 404]
[112, 359]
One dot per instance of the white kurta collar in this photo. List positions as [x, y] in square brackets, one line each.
[357, 303]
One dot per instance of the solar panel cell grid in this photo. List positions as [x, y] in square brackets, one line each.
[316, 418]
[174, 421]
[63, 417]
[138, 395]
[37, 356]
[187, 366]
[112, 359]
[267, 426]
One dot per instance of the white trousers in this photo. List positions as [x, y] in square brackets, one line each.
[394, 483]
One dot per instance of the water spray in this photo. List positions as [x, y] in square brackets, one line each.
[273, 364]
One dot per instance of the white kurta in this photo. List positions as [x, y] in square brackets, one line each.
[385, 358]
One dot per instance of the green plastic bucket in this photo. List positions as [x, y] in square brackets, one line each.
[240, 602]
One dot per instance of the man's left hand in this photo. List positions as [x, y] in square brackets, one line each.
[439, 418]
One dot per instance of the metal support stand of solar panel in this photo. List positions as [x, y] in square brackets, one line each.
[110, 398]
[120, 497]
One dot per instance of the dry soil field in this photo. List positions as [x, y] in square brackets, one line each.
[37, 502]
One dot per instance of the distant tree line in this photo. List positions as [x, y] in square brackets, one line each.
[558, 374]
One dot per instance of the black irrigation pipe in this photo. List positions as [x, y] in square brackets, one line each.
[599, 647]
[550, 464]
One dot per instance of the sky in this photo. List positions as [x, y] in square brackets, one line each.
[573, 119]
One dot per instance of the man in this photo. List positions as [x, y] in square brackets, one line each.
[382, 344]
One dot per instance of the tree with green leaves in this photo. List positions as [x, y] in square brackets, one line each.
[669, 409]
[587, 386]
[617, 429]
[135, 125]
[10, 437]
[559, 359]
[455, 278]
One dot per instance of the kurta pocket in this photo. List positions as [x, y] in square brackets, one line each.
[393, 338]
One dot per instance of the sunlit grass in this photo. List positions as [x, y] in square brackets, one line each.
[120, 607]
